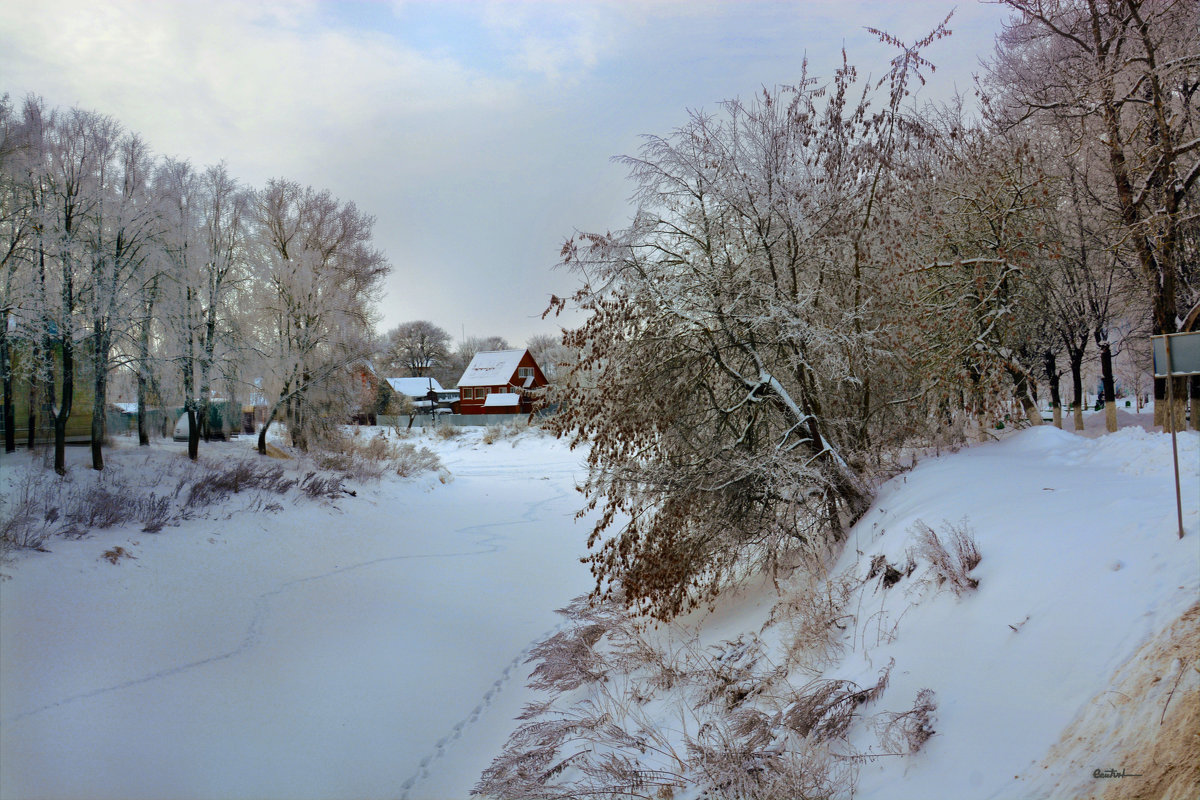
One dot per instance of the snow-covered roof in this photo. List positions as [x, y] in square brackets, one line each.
[502, 400]
[126, 408]
[414, 387]
[491, 368]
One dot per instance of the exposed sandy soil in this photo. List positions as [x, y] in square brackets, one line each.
[1140, 739]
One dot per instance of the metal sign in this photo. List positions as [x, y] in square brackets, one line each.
[1176, 354]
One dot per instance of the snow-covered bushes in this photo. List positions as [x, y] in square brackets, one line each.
[219, 481]
[952, 560]
[496, 433]
[363, 458]
[410, 460]
[650, 712]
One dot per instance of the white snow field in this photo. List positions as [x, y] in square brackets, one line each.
[369, 649]
[375, 648]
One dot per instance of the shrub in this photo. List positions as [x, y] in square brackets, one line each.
[410, 460]
[315, 485]
[816, 616]
[239, 476]
[906, 732]
[949, 561]
[25, 523]
[447, 432]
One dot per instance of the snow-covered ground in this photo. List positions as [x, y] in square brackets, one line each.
[375, 647]
[369, 648]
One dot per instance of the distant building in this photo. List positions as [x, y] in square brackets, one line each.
[499, 382]
[418, 389]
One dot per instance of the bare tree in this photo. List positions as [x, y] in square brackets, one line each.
[1128, 70]
[67, 195]
[419, 348]
[182, 199]
[319, 274]
[551, 354]
[734, 382]
[123, 231]
[223, 232]
[16, 228]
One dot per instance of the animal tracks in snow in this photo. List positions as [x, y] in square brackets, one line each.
[487, 539]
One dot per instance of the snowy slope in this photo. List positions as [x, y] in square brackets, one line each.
[1081, 567]
[1080, 555]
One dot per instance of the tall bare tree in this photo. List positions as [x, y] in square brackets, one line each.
[319, 275]
[1129, 70]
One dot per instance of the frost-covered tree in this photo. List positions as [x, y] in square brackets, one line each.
[224, 229]
[181, 196]
[551, 354]
[123, 232]
[736, 381]
[16, 228]
[318, 274]
[69, 148]
[983, 222]
[1128, 71]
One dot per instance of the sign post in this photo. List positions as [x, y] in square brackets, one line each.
[1176, 355]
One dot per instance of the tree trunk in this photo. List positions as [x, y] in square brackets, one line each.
[1106, 373]
[64, 408]
[1022, 395]
[1160, 403]
[34, 399]
[99, 397]
[10, 435]
[193, 431]
[1194, 383]
[1077, 388]
[262, 437]
[1053, 377]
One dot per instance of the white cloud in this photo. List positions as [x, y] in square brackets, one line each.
[269, 77]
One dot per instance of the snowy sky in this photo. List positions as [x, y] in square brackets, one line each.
[479, 134]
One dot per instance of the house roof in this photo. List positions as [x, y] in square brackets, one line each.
[502, 400]
[492, 368]
[414, 387]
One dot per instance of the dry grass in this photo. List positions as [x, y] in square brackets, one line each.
[952, 560]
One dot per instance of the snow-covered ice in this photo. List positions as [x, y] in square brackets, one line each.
[372, 648]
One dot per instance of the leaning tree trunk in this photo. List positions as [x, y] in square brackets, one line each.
[1021, 393]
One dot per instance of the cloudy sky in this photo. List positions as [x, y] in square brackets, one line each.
[479, 134]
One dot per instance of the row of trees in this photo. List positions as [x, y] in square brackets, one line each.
[825, 276]
[111, 257]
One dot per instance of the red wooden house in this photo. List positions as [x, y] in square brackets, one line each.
[499, 382]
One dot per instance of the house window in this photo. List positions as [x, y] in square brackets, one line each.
[524, 372]
[481, 392]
